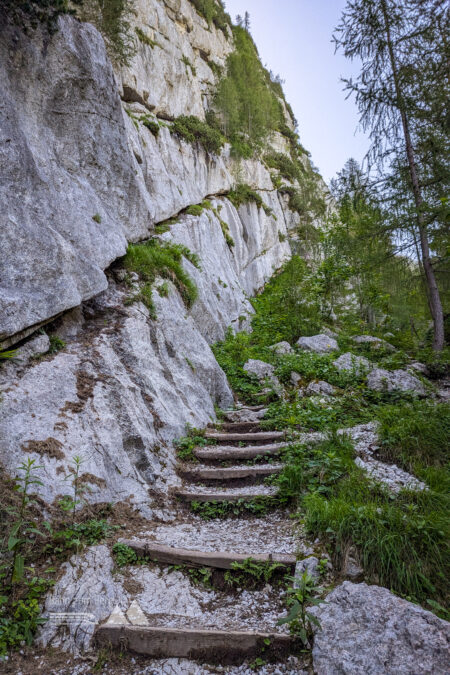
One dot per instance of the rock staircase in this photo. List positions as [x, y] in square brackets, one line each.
[222, 474]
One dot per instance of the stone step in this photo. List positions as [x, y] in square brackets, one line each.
[208, 473]
[224, 453]
[210, 646]
[220, 559]
[256, 437]
[232, 495]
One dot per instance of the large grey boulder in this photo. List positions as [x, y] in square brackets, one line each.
[394, 380]
[264, 372]
[366, 630]
[351, 362]
[320, 389]
[373, 342]
[282, 348]
[318, 343]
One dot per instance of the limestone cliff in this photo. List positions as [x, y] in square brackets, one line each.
[82, 176]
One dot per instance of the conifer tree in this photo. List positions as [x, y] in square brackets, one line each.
[401, 44]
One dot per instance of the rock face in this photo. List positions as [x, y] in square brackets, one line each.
[61, 224]
[64, 222]
[395, 380]
[116, 397]
[318, 343]
[366, 630]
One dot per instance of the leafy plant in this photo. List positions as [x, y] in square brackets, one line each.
[214, 509]
[70, 504]
[124, 555]
[153, 126]
[185, 446]
[251, 572]
[23, 527]
[300, 596]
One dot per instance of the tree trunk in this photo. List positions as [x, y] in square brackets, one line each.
[430, 278]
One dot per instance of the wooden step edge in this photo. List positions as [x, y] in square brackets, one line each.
[218, 559]
[236, 454]
[257, 436]
[221, 497]
[237, 427]
[213, 646]
[230, 473]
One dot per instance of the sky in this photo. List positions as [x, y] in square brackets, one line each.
[294, 40]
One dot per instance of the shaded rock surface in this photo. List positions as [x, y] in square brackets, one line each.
[366, 630]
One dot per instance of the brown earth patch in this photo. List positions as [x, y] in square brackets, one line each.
[50, 447]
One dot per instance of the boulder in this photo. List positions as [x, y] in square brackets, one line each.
[351, 362]
[329, 332]
[309, 565]
[320, 344]
[374, 342]
[40, 344]
[263, 371]
[282, 348]
[418, 367]
[295, 379]
[320, 388]
[367, 630]
[394, 380]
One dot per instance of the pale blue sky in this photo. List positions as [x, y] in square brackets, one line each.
[294, 39]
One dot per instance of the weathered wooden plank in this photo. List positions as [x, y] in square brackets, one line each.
[213, 646]
[217, 452]
[257, 436]
[230, 473]
[206, 496]
[218, 559]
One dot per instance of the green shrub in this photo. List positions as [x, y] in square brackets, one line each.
[152, 125]
[247, 107]
[157, 258]
[124, 555]
[214, 12]
[192, 130]
[286, 166]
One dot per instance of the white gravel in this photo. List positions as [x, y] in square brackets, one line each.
[275, 533]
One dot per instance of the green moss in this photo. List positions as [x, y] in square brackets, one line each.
[194, 210]
[192, 130]
[156, 258]
[97, 217]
